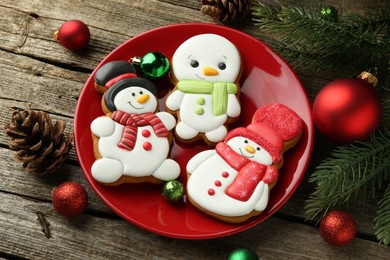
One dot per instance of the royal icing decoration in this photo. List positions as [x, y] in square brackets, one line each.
[207, 68]
[235, 179]
[133, 138]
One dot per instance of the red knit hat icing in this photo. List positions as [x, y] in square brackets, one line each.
[263, 135]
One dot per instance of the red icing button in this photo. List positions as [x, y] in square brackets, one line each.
[225, 174]
[147, 146]
[145, 133]
[217, 183]
[211, 192]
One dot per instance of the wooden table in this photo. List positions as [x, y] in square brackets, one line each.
[39, 73]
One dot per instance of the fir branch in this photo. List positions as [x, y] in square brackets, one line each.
[351, 169]
[382, 221]
[358, 43]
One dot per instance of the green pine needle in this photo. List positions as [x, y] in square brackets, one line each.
[351, 169]
[382, 225]
[307, 40]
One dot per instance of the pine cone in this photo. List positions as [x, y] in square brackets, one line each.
[226, 11]
[41, 146]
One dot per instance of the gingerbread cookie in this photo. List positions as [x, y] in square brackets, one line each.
[232, 183]
[132, 141]
[206, 70]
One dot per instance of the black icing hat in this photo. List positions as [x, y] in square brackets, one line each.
[116, 76]
[122, 84]
[112, 70]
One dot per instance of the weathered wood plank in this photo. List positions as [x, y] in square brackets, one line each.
[100, 238]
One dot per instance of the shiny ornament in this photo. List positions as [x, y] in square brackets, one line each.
[348, 109]
[338, 228]
[73, 35]
[329, 13]
[242, 254]
[173, 191]
[153, 65]
[70, 199]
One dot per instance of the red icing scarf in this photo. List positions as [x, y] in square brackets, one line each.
[249, 173]
[131, 123]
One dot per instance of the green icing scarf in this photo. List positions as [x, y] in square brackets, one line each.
[218, 90]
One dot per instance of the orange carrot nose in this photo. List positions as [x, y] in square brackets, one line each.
[208, 71]
[250, 149]
[143, 99]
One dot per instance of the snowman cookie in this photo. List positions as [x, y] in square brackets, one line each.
[232, 183]
[205, 70]
[132, 141]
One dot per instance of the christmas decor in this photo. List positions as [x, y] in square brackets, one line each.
[41, 145]
[70, 199]
[346, 110]
[173, 191]
[153, 65]
[73, 35]
[226, 11]
[338, 228]
[320, 40]
[242, 254]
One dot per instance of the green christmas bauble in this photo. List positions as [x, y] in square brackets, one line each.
[329, 13]
[154, 65]
[173, 191]
[242, 254]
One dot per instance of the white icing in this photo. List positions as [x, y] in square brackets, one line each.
[199, 158]
[167, 119]
[207, 167]
[233, 107]
[208, 50]
[184, 131]
[238, 145]
[204, 177]
[138, 162]
[174, 100]
[102, 126]
[107, 170]
[126, 100]
[217, 135]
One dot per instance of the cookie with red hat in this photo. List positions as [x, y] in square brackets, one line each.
[233, 182]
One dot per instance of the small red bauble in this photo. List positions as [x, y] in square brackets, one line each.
[338, 228]
[70, 199]
[73, 35]
[348, 110]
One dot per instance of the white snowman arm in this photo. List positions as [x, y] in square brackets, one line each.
[103, 126]
[233, 106]
[167, 119]
[174, 100]
[198, 159]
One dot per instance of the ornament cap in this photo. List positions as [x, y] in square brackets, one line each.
[370, 78]
[136, 60]
[56, 36]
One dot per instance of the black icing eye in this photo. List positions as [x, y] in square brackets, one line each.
[222, 65]
[246, 141]
[194, 63]
[133, 94]
[141, 93]
[258, 148]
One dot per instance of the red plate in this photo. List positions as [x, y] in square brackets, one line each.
[266, 79]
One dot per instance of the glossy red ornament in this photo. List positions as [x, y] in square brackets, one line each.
[338, 228]
[348, 109]
[73, 35]
[70, 199]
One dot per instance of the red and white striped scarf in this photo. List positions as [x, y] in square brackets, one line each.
[131, 123]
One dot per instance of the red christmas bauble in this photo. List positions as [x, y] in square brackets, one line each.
[73, 35]
[338, 228]
[347, 110]
[70, 199]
